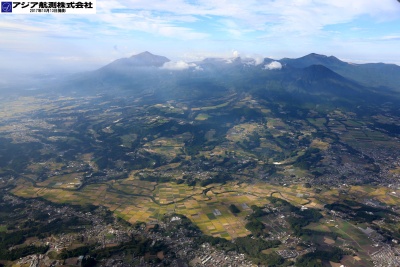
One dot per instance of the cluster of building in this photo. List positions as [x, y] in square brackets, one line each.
[208, 256]
[386, 257]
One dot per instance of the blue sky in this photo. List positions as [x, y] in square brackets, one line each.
[353, 30]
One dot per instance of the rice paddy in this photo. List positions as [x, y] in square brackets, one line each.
[135, 200]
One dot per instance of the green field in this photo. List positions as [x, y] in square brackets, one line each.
[202, 117]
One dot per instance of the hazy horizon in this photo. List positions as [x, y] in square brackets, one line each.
[354, 31]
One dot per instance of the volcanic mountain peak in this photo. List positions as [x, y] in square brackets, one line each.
[149, 58]
[144, 59]
[313, 59]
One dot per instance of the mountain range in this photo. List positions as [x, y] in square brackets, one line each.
[370, 74]
[151, 140]
[315, 78]
[312, 79]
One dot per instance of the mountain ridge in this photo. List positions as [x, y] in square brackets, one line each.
[312, 59]
[144, 59]
[369, 74]
[312, 75]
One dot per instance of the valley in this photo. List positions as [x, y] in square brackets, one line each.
[304, 167]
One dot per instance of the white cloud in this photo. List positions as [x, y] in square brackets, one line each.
[285, 28]
[274, 65]
[390, 37]
[235, 54]
[177, 65]
[301, 16]
[249, 59]
[146, 21]
[174, 18]
[15, 26]
[258, 59]
[177, 18]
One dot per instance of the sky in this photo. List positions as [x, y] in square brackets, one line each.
[356, 31]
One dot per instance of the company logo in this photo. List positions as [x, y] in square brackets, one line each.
[6, 7]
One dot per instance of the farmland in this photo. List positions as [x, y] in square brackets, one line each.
[208, 207]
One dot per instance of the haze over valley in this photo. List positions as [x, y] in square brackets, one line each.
[200, 133]
[152, 162]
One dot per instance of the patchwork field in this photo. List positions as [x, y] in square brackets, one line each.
[348, 234]
[208, 207]
[135, 200]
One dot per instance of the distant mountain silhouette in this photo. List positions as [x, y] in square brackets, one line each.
[144, 59]
[370, 74]
[313, 59]
[314, 78]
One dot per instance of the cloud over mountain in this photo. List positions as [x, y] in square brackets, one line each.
[281, 28]
[275, 65]
[177, 65]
